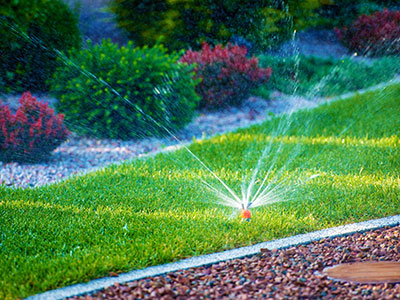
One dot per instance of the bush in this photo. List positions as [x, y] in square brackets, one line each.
[344, 12]
[226, 74]
[112, 92]
[184, 24]
[30, 31]
[372, 35]
[32, 133]
[284, 17]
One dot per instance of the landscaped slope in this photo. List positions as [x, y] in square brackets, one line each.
[157, 210]
[325, 77]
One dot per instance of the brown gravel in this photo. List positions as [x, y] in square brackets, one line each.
[292, 273]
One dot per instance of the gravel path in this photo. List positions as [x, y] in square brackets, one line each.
[293, 273]
[80, 155]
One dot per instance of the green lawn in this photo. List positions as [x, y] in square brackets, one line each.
[156, 210]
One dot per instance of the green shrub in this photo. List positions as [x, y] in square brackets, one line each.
[282, 18]
[184, 24]
[113, 92]
[30, 31]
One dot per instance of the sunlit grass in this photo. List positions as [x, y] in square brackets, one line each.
[157, 210]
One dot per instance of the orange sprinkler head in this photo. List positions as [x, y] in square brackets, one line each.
[246, 214]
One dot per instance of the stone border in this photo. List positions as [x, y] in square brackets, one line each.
[101, 283]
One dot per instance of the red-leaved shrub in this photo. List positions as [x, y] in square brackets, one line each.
[226, 74]
[31, 133]
[373, 35]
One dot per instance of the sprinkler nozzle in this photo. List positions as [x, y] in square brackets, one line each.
[246, 214]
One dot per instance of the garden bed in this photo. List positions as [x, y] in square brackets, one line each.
[133, 204]
[156, 210]
[80, 155]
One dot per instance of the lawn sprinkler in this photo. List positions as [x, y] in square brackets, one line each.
[245, 213]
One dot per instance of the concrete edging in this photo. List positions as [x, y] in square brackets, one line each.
[98, 284]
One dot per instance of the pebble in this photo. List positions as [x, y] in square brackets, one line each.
[79, 155]
[249, 278]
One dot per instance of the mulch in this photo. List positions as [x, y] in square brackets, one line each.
[292, 273]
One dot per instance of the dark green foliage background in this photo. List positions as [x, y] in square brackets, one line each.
[344, 12]
[264, 24]
[30, 30]
[186, 23]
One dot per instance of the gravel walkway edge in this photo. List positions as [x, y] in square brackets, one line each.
[101, 283]
[78, 156]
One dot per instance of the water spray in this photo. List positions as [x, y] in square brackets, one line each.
[266, 193]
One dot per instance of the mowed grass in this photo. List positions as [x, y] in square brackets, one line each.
[157, 210]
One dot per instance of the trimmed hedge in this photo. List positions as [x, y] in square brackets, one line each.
[111, 92]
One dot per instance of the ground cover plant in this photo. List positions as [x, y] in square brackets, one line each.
[316, 76]
[156, 210]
